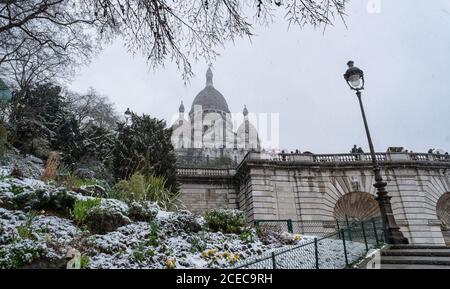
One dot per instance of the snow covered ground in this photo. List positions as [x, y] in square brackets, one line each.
[302, 256]
[43, 239]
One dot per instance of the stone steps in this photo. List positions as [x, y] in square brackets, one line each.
[415, 260]
[415, 257]
[413, 266]
[420, 247]
[418, 252]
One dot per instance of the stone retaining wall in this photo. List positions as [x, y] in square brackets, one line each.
[307, 188]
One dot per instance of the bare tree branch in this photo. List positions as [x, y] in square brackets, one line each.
[161, 30]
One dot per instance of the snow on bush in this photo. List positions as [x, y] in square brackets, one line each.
[143, 211]
[25, 238]
[37, 231]
[30, 166]
[17, 254]
[229, 221]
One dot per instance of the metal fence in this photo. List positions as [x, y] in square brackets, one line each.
[312, 228]
[325, 245]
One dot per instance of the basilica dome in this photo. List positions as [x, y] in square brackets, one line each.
[210, 98]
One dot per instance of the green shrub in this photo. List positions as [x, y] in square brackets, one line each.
[82, 208]
[226, 221]
[84, 262]
[198, 245]
[156, 191]
[150, 253]
[146, 188]
[138, 255]
[246, 236]
[25, 231]
[131, 190]
[154, 238]
[17, 189]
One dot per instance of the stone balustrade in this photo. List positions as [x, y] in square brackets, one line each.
[185, 170]
[347, 158]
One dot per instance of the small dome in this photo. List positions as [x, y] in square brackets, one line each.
[245, 112]
[248, 135]
[181, 109]
[210, 98]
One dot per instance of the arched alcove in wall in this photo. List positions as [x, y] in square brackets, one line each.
[443, 214]
[357, 206]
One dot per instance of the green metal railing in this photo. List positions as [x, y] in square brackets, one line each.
[347, 243]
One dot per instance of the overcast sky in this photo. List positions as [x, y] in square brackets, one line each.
[404, 51]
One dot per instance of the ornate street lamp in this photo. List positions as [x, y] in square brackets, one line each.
[355, 79]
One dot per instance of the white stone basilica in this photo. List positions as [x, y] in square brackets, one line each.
[207, 135]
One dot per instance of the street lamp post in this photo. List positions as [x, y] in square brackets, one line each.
[127, 115]
[355, 79]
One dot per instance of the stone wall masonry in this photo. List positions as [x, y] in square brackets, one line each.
[308, 190]
[200, 195]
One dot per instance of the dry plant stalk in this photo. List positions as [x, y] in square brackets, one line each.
[51, 167]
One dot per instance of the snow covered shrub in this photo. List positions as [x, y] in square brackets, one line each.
[82, 208]
[19, 253]
[143, 211]
[28, 165]
[58, 201]
[48, 199]
[225, 220]
[182, 221]
[61, 202]
[104, 219]
[95, 191]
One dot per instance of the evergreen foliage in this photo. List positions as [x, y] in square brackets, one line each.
[144, 145]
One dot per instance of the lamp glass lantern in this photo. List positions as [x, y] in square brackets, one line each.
[354, 77]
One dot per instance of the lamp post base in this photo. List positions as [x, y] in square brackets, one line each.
[393, 234]
[395, 237]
